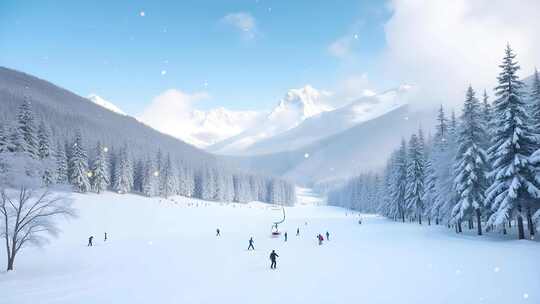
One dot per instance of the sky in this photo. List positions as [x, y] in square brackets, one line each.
[247, 54]
[243, 54]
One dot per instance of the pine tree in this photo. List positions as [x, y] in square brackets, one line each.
[78, 164]
[150, 178]
[167, 178]
[100, 175]
[400, 181]
[513, 142]
[470, 169]
[61, 164]
[26, 131]
[123, 175]
[4, 138]
[535, 108]
[487, 120]
[45, 155]
[415, 178]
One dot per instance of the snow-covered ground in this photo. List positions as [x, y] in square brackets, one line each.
[166, 251]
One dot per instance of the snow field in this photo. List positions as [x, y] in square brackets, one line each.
[166, 251]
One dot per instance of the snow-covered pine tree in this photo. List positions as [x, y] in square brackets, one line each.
[470, 167]
[100, 171]
[150, 178]
[487, 120]
[415, 179]
[78, 163]
[123, 176]
[535, 108]
[45, 155]
[26, 131]
[167, 178]
[4, 138]
[430, 188]
[61, 164]
[514, 183]
[400, 180]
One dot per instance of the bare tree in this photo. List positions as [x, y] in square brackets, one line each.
[28, 211]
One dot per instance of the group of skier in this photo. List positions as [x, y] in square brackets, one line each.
[91, 240]
[320, 238]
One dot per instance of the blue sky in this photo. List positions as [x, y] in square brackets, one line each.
[108, 48]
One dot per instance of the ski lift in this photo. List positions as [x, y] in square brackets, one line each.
[275, 229]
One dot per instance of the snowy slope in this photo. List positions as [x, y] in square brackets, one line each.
[105, 103]
[332, 122]
[297, 106]
[167, 253]
[363, 147]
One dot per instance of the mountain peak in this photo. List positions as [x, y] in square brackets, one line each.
[105, 103]
[306, 100]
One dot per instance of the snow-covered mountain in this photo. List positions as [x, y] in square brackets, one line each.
[328, 123]
[105, 103]
[295, 107]
[205, 128]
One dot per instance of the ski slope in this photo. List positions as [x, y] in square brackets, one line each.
[166, 251]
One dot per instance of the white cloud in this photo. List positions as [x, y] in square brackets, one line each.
[243, 22]
[442, 46]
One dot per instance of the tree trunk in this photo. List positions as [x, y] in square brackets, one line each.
[479, 221]
[420, 219]
[521, 231]
[429, 221]
[530, 223]
[460, 230]
[11, 261]
[504, 228]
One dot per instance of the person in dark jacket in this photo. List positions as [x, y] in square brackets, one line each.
[251, 244]
[90, 239]
[285, 236]
[298, 231]
[273, 257]
[327, 236]
[105, 238]
[218, 233]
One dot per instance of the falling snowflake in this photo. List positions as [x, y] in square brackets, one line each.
[406, 118]
[269, 9]
[150, 243]
[156, 173]
[356, 36]
[496, 269]
[458, 272]
[525, 295]
[306, 155]
[163, 72]
[205, 84]
[142, 13]
[105, 149]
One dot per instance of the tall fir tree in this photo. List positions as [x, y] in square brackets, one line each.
[45, 155]
[99, 169]
[61, 164]
[26, 131]
[78, 165]
[415, 179]
[535, 108]
[513, 142]
[471, 163]
[399, 192]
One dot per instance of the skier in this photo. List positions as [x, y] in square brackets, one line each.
[298, 231]
[251, 244]
[320, 238]
[105, 238]
[327, 236]
[90, 239]
[218, 233]
[273, 257]
[285, 236]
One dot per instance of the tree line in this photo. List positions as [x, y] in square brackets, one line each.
[481, 169]
[115, 168]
